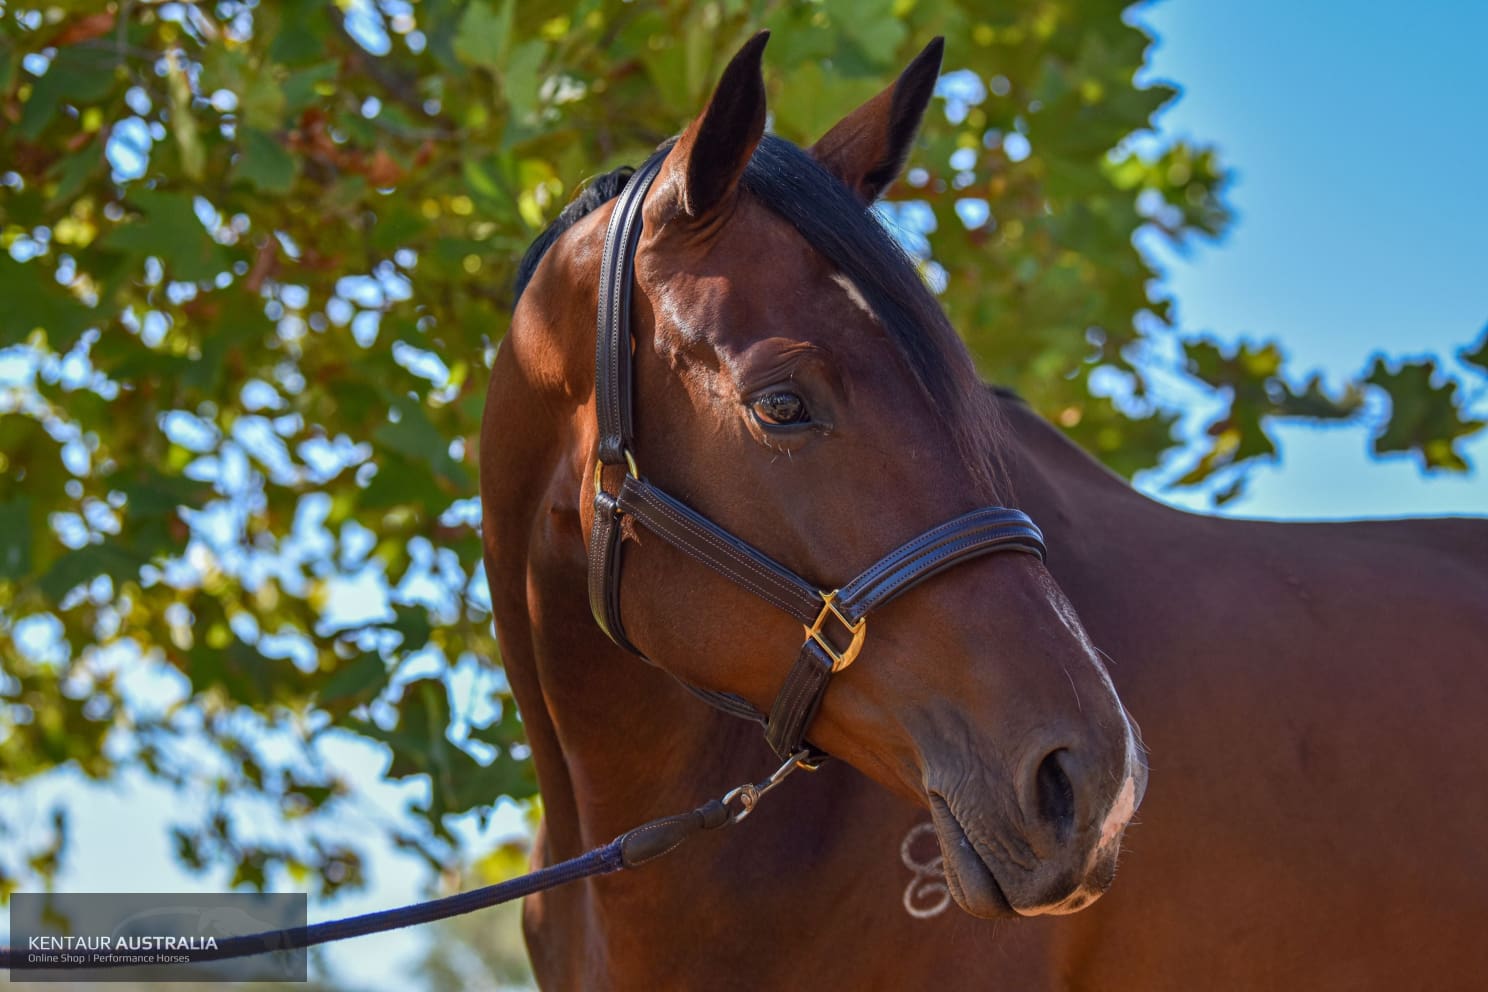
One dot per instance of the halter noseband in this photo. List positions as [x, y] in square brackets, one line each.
[829, 618]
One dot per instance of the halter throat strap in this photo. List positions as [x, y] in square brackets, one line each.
[834, 621]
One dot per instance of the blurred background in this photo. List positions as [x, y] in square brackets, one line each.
[257, 257]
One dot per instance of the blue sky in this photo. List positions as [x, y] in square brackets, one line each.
[1358, 135]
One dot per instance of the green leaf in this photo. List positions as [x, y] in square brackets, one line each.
[1477, 354]
[820, 99]
[10, 61]
[1425, 414]
[474, 785]
[243, 672]
[484, 33]
[80, 76]
[169, 230]
[256, 82]
[15, 538]
[415, 437]
[303, 87]
[1316, 402]
[413, 623]
[418, 739]
[264, 163]
[401, 482]
[31, 477]
[205, 372]
[502, 733]
[86, 564]
[153, 493]
[35, 302]
[397, 225]
[520, 79]
[872, 27]
[183, 122]
[302, 34]
[420, 747]
[356, 681]
[73, 172]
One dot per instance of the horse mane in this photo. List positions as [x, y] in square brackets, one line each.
[834, 222]
[593, 195]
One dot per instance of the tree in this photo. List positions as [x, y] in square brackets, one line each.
[257, 257]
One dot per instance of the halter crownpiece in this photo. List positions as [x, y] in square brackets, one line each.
[835, 621]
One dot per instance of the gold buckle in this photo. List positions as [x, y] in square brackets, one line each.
[859, 631]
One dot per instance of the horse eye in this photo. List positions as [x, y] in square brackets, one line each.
[778, 409]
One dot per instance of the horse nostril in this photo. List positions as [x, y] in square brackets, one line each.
[1056, 796]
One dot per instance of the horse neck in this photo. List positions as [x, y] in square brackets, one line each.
[615, 740]
[1050, 474]
[631, 741]
[1098, 528]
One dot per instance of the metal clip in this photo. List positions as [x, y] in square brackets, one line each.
[749, 795]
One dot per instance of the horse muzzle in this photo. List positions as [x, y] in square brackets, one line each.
[1046, 853]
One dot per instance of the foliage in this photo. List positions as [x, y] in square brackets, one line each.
[483, 950]
[1427, 417]
[256, 260]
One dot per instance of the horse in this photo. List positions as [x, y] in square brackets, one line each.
[1310, 696]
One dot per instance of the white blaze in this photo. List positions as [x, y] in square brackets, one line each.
[853, 294]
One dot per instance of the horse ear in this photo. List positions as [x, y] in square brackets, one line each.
[867, 149]
[714, 149]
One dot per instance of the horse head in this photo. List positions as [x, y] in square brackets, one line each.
[796, 382]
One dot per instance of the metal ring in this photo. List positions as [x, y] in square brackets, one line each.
[630, 466]
[748, 796]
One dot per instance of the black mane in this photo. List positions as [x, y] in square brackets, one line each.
[598, 192]
[834, 222]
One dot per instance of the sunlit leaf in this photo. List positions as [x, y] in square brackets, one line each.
[485, 32]
[1425, 414]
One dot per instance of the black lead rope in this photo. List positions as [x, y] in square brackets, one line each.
[631, 849]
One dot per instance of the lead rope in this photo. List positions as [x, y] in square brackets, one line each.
[636, 847]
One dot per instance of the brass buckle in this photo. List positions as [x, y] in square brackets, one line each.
[599, 467]
[840, 659]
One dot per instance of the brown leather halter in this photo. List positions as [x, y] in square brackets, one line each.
[835, 621]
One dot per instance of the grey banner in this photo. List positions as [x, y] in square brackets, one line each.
[122, 937]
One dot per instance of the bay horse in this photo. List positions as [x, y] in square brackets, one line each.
[1312, 695]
